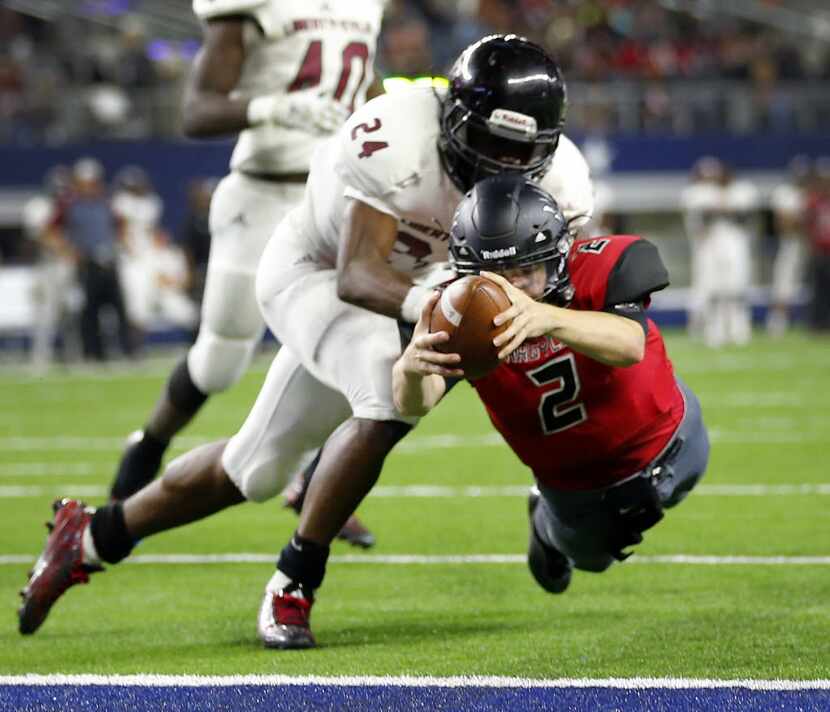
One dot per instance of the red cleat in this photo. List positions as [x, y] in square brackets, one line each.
[59, 566]
[284, 619]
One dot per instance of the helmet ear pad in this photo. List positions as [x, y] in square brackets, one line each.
[507, 222]
[503, 112]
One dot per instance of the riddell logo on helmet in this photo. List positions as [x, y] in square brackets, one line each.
[512, 122]
[498, 254]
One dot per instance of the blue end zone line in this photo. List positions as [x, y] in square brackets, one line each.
[135, 693]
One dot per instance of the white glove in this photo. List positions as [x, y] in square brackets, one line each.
[308, 112]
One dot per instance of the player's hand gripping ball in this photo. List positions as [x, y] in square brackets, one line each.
[465, 311]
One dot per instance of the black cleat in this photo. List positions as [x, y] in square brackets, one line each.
[356, 534]
[549, 566]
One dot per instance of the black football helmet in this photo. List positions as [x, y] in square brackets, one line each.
[503, 111]
[508, 222]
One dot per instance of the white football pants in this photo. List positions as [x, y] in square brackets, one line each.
[243, 214]
[336, 361]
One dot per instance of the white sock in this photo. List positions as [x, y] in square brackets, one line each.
[278, 582]
[89, 554]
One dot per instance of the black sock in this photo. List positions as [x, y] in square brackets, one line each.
[139, 465]
[109, 533]
[182, 392]
[304, 561]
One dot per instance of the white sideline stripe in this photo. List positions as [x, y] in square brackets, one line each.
[443, 491]
[430, 560]
[26, 443]
[416, 444]
[46, 469]
[749, 399]
[632, 683]
[58, 490]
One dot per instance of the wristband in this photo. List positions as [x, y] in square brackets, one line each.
[414, 302]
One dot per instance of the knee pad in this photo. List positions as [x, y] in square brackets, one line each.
[268, 475]
[216, 363]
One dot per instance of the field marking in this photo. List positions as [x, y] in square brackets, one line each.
[439, 491]
[750, 399]
[47, 469]
[416, 444]
[448, 559]
[624, 683]
[29, 443]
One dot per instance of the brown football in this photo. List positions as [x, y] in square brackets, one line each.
[465, 311]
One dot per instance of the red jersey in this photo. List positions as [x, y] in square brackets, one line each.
[577, 423]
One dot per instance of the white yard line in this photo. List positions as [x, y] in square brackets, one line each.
[792, 434]
[633, 683]
[48, 469]
[26, 443]
[445, 491]
[450, 559]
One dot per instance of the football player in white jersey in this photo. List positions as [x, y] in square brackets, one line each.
[699, 200]
[788, 202]
[284, 74]
[726, 262]
[336, 284]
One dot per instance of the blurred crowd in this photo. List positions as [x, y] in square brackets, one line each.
[105, 269]
[123, 82]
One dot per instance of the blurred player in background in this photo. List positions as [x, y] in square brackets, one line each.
[789, 204]
[57, 298]
[699, 202]
[586, 396]
[169, 275]
[727, 265]
[86, 228]
[719, 213]
[139, 208]
[817, 223]
[284, 74]
[336, 286]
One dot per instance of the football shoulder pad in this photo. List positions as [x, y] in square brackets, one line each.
[208, 9]
[568, 180]
[638, 272]
[389, 143]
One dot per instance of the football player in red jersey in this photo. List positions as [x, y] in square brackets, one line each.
[586, 395]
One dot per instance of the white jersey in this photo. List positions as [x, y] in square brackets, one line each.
[700, 201]
[740, 198]
[141, 215]
[787, 199]
[37, 212]
[387, 157]
[320, 46]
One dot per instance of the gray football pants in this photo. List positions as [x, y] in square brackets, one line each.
[579, 524]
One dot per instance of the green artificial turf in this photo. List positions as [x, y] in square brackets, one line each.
[767, 407]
